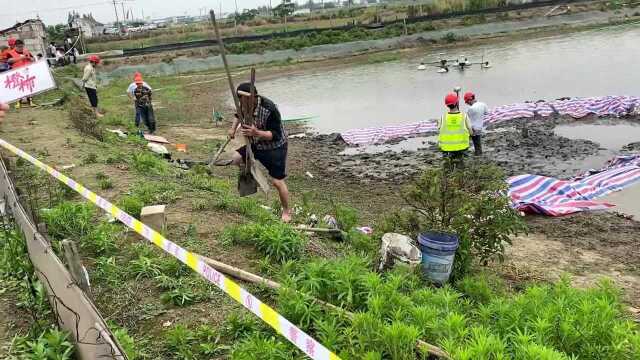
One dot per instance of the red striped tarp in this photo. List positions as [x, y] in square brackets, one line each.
[576, 108]
[553, 197]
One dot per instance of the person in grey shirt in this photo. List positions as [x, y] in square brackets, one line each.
[476, 113]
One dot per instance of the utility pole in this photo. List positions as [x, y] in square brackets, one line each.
[123, 14]
[235, 19]
[116, 11]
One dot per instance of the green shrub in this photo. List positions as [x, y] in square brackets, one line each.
[471, 203]
[180, 296]
[297, 308]
[130, 346]
[347, 217]
[101, 239]
[341, 282]
[362, 242]
[132, 205]
[147, 163]
[144, 267]
[51, 344]
[238, 326]
[91, 158]
[69, 220]
[103, 181]
[14, 259]
[185, 344]
[260, 347]
[278, 241]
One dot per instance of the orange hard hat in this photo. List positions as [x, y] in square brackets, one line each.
[137, 78]
[94, 59]
[468, 96]
[451, 99]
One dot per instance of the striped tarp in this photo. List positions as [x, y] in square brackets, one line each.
[576, 108]
[553, 197]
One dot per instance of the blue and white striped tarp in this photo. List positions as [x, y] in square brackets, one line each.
[577, 108]
[553, 197]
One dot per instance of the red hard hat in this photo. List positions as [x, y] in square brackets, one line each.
[11, 42]
[469, 96]
[94, 59]
[451, 99]
[137, 78]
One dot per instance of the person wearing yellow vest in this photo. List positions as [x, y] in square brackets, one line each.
[454, 130]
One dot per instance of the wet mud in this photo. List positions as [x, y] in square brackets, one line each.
[518, 147]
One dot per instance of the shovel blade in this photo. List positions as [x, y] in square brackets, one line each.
[260, 178]
[247, 185]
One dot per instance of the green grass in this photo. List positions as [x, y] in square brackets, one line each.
[277, 241]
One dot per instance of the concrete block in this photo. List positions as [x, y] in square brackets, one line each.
[154, 217]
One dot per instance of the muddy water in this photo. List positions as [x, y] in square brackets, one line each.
[590, 63]
[610, 135]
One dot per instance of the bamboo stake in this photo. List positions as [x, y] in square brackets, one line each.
[253, 278]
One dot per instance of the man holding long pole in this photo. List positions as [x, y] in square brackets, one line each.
[264, 132]
[269, 144]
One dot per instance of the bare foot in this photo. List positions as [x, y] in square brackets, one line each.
[286, 215]
[99, 115]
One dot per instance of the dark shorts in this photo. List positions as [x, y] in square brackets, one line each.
[275, 161]
[92, 94]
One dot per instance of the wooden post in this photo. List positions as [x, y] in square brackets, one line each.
[42, 229]
[75, 265]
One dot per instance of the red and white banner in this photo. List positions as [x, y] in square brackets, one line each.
[25, 81]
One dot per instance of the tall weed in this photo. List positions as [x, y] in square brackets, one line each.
[69, 220]
[277, 241]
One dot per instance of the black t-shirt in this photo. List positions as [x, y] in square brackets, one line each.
[143, 96]
[273, 120]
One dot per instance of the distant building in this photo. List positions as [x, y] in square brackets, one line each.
[87, 24]
[32, 32]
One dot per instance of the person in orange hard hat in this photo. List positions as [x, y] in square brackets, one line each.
[131, 95]
[144, 107]
[454, 130]
[90, 82]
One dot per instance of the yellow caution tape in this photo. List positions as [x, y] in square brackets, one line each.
[284, 327]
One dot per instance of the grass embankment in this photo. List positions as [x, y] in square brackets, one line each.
[29, 319]
[165, 311]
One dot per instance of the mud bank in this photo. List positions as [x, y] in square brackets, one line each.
[534, 148]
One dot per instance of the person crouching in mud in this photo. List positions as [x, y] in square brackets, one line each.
[269, 144]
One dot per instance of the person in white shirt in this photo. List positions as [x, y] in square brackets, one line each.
[476, 113]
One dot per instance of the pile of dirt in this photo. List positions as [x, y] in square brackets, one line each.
[84, 119]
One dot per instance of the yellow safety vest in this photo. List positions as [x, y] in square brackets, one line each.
[453, 135]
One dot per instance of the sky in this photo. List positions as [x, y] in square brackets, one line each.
[55, 11]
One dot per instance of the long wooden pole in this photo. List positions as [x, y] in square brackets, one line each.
[224, 61]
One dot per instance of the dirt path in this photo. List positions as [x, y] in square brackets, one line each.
[588, 247]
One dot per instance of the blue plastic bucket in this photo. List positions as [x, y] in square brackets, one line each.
[438, 251]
